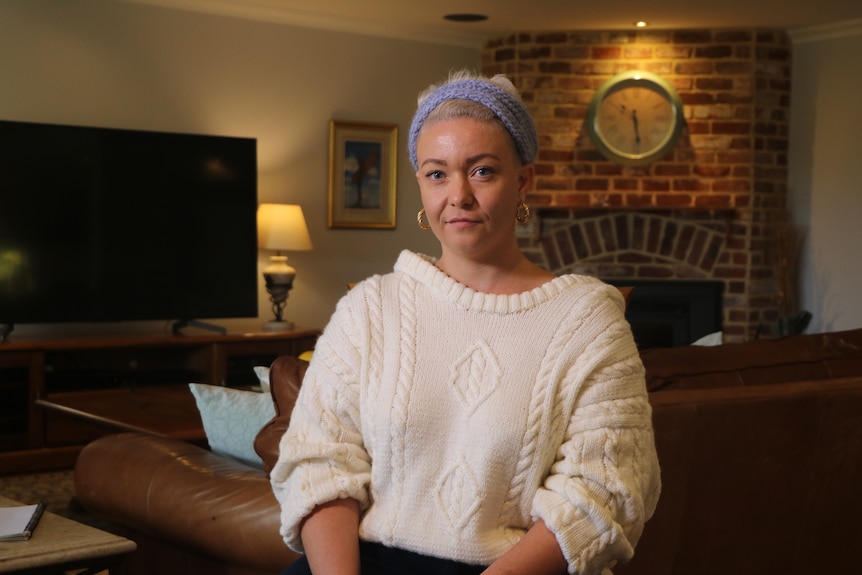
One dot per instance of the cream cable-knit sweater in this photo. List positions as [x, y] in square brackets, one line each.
[458, 418]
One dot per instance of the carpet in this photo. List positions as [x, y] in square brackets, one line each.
[55, 488]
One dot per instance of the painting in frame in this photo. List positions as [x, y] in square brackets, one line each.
[362, 169]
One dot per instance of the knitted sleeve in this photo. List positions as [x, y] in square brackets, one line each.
[605, 481]
[322, 456]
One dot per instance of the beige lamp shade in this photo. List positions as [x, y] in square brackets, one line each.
[282, 227]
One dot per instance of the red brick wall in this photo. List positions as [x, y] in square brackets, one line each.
[708, 210]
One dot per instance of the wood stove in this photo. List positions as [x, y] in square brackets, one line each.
[672, 313]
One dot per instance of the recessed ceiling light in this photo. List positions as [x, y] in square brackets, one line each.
[641, 24]
[465, 17]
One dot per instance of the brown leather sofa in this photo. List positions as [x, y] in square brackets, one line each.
[760, 445]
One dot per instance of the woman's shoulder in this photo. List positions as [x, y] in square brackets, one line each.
[592, 289]
[373, 281]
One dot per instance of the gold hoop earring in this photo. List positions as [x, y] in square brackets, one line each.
[419, 221]
[522, 214]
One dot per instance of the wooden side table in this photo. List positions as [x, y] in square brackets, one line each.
[60, 544]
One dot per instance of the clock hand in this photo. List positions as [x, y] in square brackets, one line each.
[635, 122]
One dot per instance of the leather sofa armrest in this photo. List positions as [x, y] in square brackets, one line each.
[185, 495]
[285, 379]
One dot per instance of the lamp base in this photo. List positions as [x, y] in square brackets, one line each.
[278, 325]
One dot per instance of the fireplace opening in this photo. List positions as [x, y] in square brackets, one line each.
[672, 313]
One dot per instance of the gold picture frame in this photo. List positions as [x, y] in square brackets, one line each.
[362, 168]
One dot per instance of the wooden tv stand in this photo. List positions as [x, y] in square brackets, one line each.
[88, 387]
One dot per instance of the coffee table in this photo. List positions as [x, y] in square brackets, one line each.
[60, 544]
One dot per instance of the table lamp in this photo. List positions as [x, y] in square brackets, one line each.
[280, 227]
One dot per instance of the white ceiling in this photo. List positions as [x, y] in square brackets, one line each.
[423, 19]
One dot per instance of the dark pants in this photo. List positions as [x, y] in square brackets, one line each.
[376, 559]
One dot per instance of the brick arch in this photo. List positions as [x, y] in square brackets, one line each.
[635, 245]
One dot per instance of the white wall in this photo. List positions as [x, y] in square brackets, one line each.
[115, 64]
[825, 172]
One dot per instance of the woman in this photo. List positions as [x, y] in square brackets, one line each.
[470, 413]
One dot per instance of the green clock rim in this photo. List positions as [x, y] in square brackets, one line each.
[627, 78]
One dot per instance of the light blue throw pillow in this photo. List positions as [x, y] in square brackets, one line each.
[232, 419]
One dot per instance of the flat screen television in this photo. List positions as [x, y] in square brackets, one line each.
[107, 225]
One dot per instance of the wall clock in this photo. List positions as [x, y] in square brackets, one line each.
[635, 118]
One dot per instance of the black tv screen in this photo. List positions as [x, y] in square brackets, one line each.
[101, 224]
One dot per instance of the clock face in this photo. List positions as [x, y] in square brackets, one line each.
[635, 118]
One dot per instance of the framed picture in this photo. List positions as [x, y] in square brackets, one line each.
[362, 168]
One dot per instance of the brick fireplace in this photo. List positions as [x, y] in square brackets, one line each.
[713, 209]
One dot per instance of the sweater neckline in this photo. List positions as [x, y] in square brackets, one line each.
[421, 268]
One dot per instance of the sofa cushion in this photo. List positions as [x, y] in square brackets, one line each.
[285, 378]
[793, 358]
[232, 419]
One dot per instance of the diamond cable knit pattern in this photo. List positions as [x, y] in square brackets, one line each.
[473, 440]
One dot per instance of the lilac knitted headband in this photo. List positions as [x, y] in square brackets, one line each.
[511, 112]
